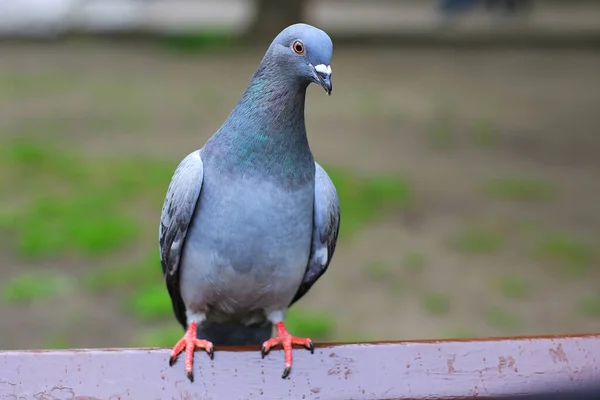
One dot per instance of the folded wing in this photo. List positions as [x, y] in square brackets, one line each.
[177, 212]
[326, 220]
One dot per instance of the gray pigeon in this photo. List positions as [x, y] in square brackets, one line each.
[250, 221]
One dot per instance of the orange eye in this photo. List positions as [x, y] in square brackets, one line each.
[298, 47]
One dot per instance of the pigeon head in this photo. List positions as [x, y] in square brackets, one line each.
[303, 52]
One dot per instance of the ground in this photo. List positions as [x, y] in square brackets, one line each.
[469, 182]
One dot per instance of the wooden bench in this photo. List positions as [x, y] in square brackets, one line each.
[447, 369]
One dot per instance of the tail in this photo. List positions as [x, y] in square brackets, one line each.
[235, 333]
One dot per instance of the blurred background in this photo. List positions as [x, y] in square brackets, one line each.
[463, 137]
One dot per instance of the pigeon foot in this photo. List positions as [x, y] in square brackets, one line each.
[190, 343]
[286, 340]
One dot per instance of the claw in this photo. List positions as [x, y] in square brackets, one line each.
[263, 351]
[287, 341]
[190, 343]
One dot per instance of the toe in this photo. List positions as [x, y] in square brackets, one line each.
[266, 347]
[264, 350]
[177, 349]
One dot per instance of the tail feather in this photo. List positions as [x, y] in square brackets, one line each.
[235, 333]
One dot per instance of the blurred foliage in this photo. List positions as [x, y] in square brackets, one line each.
[378, 271]
[139, 273]
[513, 287]
[574, 255]
[318, 326]
[478, 241]
[440, 130]
[150, 301]
[502, 320]
[590, 306]
[520, 189]
[38, 285]
[414, 261]
[484, 134]
[364, 200]
[165, 336]
[71, 206]
[55, 341]
[191, 42]
[459, 334]
[436, 304]
[89, 224]
[19, 86]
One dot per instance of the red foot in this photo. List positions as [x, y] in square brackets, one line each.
[190, 343]
[286, 340]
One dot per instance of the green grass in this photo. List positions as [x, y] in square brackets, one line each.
[413, 261]
[318, 326]
[111, 93]
[436, 304]
[29, 159]
[484, 134]
[17, 86]
[478, 241]
[590, 306]
[502, 320]
[56, 342]
[87, 224]
[440, 133]
[377, 271]
[160, 337]
[513, 287]
[34, 286]
[363, 200]
[150, 302]
[137, 176]
[572, 254]
[459, 334]
[135, 274]
[514, 188]
[7, 215]
[70, 205]
[355, 338]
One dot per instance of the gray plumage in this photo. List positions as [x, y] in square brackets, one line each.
[250, 221]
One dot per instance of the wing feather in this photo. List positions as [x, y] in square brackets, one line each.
[326, 220]
[177, 212]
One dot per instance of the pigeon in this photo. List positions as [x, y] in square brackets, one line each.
[250, 220]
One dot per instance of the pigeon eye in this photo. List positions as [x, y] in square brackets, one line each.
[298, 47]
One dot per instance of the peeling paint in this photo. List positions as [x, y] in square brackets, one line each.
[450, 364]
[558, 354]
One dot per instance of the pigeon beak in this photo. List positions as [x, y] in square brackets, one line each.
[323, 73]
